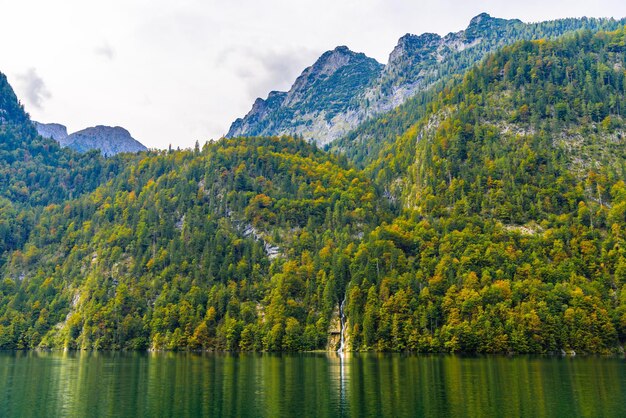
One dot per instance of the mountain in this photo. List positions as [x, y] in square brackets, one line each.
[109, 140]
[54, 131]
[363, 88]
[316, 102]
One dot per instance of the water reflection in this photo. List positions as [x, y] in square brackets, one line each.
[339, 376]
[71, 384]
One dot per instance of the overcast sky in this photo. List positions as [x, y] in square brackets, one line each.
[173, 72]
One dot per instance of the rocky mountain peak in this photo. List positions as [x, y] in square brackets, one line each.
[411, 45]
[480, 19]
[321, 76]
[110, 140]
[485, 25]
[331, 61]
[320, 92]
[54, 131]
[117, 131]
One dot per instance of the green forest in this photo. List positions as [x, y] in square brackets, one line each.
[486, 215]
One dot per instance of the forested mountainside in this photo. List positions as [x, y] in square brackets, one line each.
[244, 244]
[513, 184]
[492, 220]
[35, 172]
[344, 89]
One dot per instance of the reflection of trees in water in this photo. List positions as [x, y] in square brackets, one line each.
[76, 384]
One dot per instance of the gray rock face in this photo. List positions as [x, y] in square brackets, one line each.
[343, 89]
[109, 140]
[54, 131]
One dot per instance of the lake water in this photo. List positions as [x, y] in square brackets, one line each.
[35, 384]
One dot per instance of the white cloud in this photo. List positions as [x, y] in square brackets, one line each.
[32, 88]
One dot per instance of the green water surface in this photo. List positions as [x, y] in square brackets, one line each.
[83, 384]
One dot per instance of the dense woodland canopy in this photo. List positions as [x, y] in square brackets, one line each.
[513, 187]
[238, 245]
[490, 217]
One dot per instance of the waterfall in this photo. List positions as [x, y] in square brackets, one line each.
[342, 321]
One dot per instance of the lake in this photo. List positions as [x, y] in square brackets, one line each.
[92, 384]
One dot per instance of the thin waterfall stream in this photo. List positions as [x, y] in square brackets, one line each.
[342, 321]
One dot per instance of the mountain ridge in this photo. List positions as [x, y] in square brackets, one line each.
[416, 62]
[110, 140]
[312, 87]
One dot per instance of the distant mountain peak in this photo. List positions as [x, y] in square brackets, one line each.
[320, 91]
[478, 19]
[110, 140]
[484, 22]
[330, 61]
[54, 131]
[422, 38]
[117, 130]
[411, 44]
[342, 49]
[410, 41]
